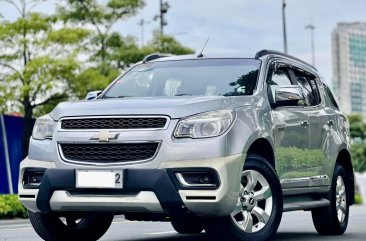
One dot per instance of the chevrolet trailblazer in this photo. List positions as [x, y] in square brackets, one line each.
[224, 144]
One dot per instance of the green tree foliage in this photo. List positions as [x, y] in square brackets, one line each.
[166, 44]
[37, 61]
[11, 207]
[359, 157]
[101, 16]
[358, 136]
[357, 127]
[122, 53]
[46, 59]
[108, 52]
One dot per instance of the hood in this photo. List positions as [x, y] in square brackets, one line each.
[175, 107]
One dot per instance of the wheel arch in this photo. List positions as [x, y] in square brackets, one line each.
[263, 147]
[345, 160]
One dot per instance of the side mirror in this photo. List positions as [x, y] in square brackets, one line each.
[93, 94]
[289, 95]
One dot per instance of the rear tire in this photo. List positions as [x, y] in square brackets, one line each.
[51, 227]
[333, 219]
[187, 227]
[258, 212]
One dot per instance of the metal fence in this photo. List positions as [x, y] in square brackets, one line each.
[11, 152]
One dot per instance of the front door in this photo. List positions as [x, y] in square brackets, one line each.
[291, 133]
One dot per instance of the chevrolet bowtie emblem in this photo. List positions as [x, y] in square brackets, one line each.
[104, 136]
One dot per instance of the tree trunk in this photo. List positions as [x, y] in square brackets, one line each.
[28, 125]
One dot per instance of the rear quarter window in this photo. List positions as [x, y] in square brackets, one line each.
[330, 96]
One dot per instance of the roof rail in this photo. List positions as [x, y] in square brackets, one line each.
[150, 57]
[268, 52]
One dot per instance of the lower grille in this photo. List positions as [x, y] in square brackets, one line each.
[109, 153]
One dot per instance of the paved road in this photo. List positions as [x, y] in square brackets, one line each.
[361, 183]
[295, 226]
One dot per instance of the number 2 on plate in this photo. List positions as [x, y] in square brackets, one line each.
[118, 178]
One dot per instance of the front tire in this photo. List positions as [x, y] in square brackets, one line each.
[71, 226]
[333, 219]
[258, 212]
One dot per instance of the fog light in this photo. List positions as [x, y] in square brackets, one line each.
[35, 178]
[197, 179]
[32, 178]
[205, 180]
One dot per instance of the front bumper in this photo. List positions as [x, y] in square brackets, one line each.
[144, 191]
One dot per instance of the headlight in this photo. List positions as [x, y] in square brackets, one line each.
[43, 129]
[209, 124]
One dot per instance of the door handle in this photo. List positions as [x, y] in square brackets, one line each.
[280, 129]
[305, 123]
[330, 123]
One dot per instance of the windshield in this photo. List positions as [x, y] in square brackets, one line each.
[226, 77]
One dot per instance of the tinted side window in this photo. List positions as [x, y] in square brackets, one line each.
[330, 96]
[304, 82]
[280, 78]
[314, 86]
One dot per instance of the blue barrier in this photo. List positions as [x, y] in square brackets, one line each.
[14, 127]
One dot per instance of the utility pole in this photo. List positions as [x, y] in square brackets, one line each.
[284, 26]
[142, 24]
[164, 6]
[311, 27]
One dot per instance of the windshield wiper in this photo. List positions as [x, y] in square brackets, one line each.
[182, 94]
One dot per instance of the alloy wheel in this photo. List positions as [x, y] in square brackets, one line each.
[341, 199]
[255, 203]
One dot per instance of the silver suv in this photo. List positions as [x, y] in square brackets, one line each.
[205, 142]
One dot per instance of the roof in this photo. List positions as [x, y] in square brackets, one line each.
[266, 52]
[162, 57]
[157, 57]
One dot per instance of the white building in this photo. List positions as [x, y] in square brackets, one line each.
[349, 66]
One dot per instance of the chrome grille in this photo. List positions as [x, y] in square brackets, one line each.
[108, 153]
[115, 123]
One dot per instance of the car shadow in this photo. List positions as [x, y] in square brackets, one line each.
[306, 236]
[173, 237]
[281, 236]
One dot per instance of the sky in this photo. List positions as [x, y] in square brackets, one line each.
[242, 26]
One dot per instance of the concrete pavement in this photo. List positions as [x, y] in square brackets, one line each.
[295, 226]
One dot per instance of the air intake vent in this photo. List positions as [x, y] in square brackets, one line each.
[108, 153]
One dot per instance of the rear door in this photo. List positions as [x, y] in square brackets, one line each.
[320, 124]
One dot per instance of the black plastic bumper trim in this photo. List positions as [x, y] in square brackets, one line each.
[201, 198]
[27, 196]
[135, 180]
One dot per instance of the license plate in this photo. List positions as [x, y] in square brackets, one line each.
[99, 179]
